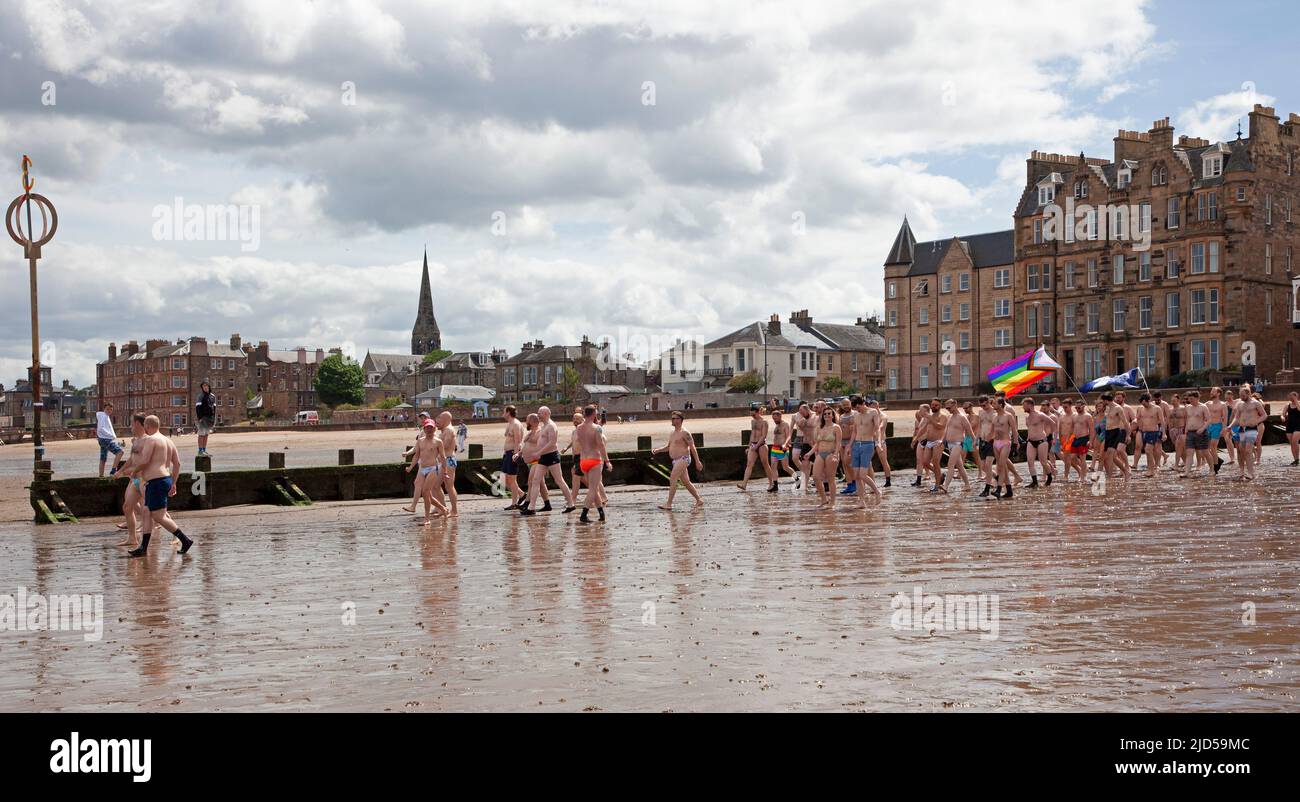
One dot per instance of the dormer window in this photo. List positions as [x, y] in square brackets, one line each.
[1124, 179]
[1213, 165]
[1046, 194]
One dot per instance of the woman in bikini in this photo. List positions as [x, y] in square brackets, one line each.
[1292, 415]
[826, 448]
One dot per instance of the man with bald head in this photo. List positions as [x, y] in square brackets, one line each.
[448, 481]
[549, 462]
[162, 467]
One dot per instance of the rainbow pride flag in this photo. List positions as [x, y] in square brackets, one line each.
[1030, 367]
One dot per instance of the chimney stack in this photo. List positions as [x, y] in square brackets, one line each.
[320, 355]
[112, 351]
[774, 324]
[236, 342]
[132, 348]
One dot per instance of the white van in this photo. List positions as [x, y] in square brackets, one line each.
[309, 418]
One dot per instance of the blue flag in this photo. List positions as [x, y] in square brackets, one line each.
[1127, 381]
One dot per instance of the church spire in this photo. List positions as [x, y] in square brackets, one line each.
[425, 336]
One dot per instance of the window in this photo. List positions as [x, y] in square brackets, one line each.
[1031, 321]
[893, 345]
[1146, 359]
[1214, 307]
[1201, 205]
[1171, 263]
[530, 375]
[945, 284]
[893, 289]
[1091, 363]
[923, 344]
[1069, 275]
[1002, 338]
[1046, 194]
[178, 401]
[1268, 306]
[963, 311]
[230, 364]
[965, 375]
[830, 361]
[1047, 320]
[1031, 278]
[1144, 266]
[922, 287]
[1038, 232]
[1198, 354]
[740, 360]
[963, 282]
[1213, 205]
[1094, 318]
[1080, 189]
[945, 315]
[1144, 312]
[1159, 175]
[1092, 272]
[1213, 165]
[178, 381]
[1173, 310]
[1288, 258]
[893, 378]
[893, 317]
[963, 340]
[1214, 354]
[1172, 213]
[1090, 220]
[1144, 217]
[549, 374]
[1268, 258]
[1198, 258]
[924, 377]
[945, 376]
[1288, 210]
[923, 315]
[1002, 277]
[1118, 308]
[216, 364]
[1198, 307]
[1214, 257]
[1123, 178]
[1067, 321]
[1117, 269]
[1002, 307]
[178, 364]
[1268, 209]
[1047, 276]
[1241, 194]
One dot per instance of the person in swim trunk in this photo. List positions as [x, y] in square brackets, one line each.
[1004, 429]
[956, 434]
[595, 461]
[1038, 426]
[826, 450]
[1151, 429]
[161, 468]
[430, 459]
[1250, 416]
[779, 451]
[509, 465]
[1215, 423]
[1176, 430]
[866, 426]
[681, 450]
[1292, 414]
[757, 450]
[133, 508]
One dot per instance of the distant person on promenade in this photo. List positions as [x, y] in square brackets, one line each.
[106, 436]
[205, 415]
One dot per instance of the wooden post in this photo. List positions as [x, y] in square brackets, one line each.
[347, 456]
[643, 443]
[476, 451]
[276, 459]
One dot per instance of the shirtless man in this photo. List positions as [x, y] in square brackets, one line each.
[1130, 416]
[1198, 435]
[1064, 433]
[984, 443]
[1216, 423]
[133, 502]
[1158, 399]
[866, 428]
[805, 426]
[1176, 431]
[1250, 416]
[529, 454]
[576, 476]
[509, 467]
[1004, 429]
[161, 468]
[1151, 430]
[446, 478]
[779, 453]
[418, 489]
[882, 443]
[1054, 412]
[1082, 434]
[548, 442]
[1038, 428]
[847, 419]
[932, 442]
[594, 463]
[430, 458]
[681, 450]
[1114, 454]
[954, 434]
[757, 449]
[920, 423]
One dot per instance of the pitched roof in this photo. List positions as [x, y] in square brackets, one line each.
[395, 362]
[848, 337]
[986, 250]
[900, 253]
[751, 333]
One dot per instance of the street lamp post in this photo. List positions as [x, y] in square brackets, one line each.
[32, 252]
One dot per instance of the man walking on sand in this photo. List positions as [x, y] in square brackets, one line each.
[549, 461]
[162, 467]
[681, 450]
[594, 463]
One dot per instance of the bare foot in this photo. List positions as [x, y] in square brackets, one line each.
[667, 506]
[741, 485]
[408, 509]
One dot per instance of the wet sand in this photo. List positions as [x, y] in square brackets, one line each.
[1130, 601]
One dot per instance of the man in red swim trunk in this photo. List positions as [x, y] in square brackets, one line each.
[594, 463]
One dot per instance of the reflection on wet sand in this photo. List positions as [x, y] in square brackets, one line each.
[1135, 600]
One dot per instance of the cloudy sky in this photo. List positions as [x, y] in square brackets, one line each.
[572, 167]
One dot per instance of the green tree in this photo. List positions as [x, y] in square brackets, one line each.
[569, 380]
[747, 382]
[339, 380]
[837, 386]
[435, 356]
